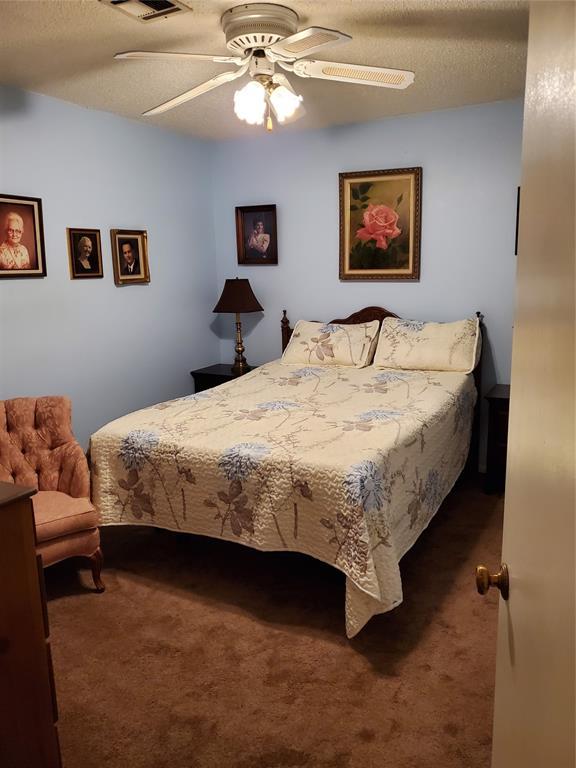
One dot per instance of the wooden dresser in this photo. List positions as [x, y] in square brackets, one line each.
[28, 714]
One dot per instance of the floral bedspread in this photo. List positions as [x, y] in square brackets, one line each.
[346, 465]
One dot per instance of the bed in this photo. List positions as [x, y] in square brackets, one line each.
[347, 465]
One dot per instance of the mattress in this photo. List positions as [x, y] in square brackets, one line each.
[346, 465]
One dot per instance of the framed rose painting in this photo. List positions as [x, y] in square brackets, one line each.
[380, 224]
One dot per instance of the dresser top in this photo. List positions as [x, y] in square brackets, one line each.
[10, 492]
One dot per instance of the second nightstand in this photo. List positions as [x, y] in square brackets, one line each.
[498, 407]
[212, 375]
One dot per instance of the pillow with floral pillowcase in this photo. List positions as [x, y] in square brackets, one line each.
[416, 345]
[332, 344]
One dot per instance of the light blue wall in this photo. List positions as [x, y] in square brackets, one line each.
[111, 349]
[471, 169]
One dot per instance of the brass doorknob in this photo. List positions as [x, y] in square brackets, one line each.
[485, 580]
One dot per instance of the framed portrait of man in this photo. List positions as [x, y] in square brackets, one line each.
[130, 256]
[84, 253]
[256, 235]
[22, 252]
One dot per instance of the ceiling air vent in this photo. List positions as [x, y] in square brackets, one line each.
[148, 10]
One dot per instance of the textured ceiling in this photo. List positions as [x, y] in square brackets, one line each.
[462, 51]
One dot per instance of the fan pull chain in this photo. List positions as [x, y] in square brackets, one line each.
[269, 123]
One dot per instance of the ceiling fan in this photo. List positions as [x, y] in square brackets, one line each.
[261, 36]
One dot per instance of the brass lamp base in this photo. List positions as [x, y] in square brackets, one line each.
[240, 365]
[240, 368]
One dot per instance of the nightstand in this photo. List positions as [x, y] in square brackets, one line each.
[498, 407]
[212, 375]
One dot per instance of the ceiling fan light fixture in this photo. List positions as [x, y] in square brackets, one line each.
[250, 103]
[284, 102]
[266, 34]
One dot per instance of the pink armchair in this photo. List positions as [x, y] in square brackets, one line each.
[38, 449]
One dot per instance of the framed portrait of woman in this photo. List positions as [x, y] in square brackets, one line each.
[84, 253]
[256, 235]
[22, 252]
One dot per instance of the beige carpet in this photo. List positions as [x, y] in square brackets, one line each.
[205, 654]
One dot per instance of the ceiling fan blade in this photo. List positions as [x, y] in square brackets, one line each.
[215, 82]
[170, 55]
[306, 41]
[354, 73]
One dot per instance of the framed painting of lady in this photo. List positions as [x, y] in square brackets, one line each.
[22, 251]
[84, 253]
[256, 235]
[380, 224]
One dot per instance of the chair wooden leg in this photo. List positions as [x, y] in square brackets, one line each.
[96, 563]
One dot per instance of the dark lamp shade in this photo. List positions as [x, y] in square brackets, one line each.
[237, 296]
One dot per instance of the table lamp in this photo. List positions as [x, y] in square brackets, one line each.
[237, 297]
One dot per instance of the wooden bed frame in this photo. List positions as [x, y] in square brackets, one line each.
[366, 315]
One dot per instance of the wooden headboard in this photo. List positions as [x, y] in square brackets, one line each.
[365, 315]
[368, 314]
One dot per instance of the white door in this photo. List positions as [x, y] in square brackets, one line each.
[534, 720]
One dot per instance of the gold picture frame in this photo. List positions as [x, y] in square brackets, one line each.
[130, 256]
[84, 253]
[380, 224]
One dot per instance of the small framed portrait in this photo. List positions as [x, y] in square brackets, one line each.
[84, 253]
[256, 235]
[22, 252]
[380, 224]
[130, 256]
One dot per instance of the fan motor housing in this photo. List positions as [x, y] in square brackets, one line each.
[257, 25]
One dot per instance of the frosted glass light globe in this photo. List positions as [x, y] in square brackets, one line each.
[284, 102]
[250, 103]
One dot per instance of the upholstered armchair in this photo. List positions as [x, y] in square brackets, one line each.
[38, 449]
